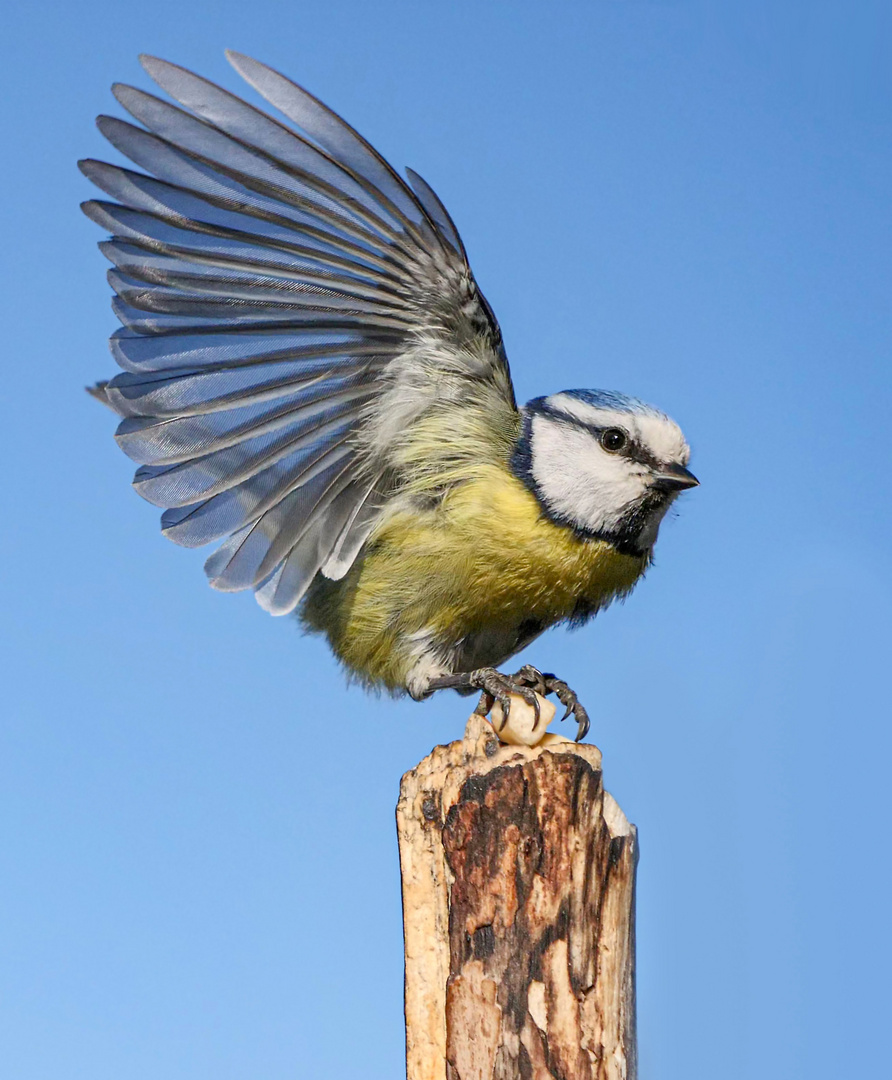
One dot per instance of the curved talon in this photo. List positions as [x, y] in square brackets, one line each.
[485, 704]
[531, 698]
[570, 701]
[584, 723]
[504, 700]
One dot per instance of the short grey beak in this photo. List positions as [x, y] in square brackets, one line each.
[674, 478]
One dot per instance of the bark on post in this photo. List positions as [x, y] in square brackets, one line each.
[518, 903]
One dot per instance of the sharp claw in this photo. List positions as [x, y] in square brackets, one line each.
[505, 702]
[536, 709]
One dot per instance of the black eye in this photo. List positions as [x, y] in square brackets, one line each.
[614, 439]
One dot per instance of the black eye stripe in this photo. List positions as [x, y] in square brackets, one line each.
[633, 450]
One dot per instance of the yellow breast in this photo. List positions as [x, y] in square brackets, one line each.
[485, 557]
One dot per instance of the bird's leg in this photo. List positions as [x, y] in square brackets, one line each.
[496, 687]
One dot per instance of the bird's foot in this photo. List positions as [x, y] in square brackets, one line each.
[497, 687]
[550, 684]
[526, 683]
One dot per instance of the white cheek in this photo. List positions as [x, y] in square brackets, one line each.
[578, 480]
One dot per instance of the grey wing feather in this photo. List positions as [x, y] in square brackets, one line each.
[99, 391]
[287, 302]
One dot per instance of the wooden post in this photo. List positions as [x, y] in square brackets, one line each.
[518, 904]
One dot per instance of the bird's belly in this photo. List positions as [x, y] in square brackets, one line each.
[463, 585]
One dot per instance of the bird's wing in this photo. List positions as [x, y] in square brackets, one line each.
[290, 309]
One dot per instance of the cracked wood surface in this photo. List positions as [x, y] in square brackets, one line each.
[518, 903]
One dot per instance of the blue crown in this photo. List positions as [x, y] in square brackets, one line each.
[611, 399]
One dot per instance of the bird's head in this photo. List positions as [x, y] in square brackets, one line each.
[605, 465]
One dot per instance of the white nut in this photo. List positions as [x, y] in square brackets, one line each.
[521, 718]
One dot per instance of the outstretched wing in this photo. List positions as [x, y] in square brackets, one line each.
[290, 308]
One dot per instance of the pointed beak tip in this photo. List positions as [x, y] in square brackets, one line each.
[675, 478]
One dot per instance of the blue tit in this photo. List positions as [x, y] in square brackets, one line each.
[312, 376]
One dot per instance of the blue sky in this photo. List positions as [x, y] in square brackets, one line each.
[688, 202]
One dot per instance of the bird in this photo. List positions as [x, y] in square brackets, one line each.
[311, 375]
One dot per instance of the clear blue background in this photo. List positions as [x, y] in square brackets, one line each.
[686, 201]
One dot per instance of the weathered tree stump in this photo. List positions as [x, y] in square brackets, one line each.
[518, 903]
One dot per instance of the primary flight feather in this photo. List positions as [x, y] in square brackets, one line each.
[312, 376]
